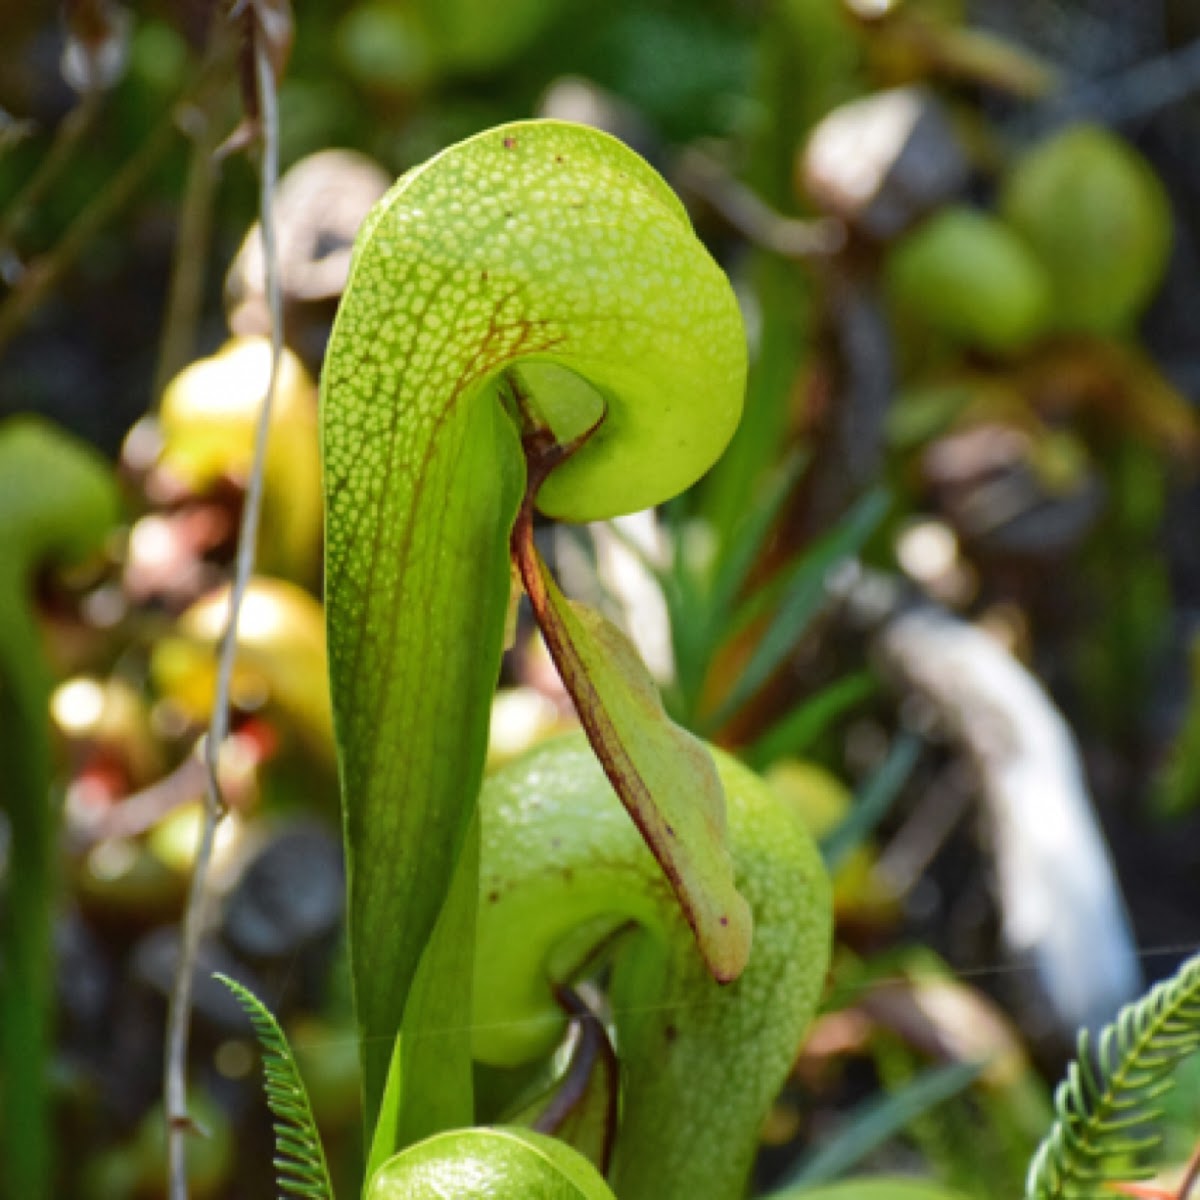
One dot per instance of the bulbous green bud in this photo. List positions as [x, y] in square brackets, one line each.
[1098, 217]
[967, 275]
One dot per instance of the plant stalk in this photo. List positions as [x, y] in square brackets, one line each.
[180, 1010]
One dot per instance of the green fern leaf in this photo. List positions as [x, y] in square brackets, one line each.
[1108, 1105]
[300, 1160]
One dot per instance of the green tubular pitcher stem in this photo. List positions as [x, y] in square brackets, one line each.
[57, 500]
[26, 932]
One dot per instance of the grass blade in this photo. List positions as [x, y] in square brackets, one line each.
[802, 594]
[878, 1120]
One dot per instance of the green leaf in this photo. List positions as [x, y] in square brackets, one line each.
[665, 777]
[874, 800]
[880, 1119]
[416, 615]
[701, 597]
[784, 298]
[434, 1043]
[1110, 1102]
[474, 35]
[58, 499]
[871, 1187]
[792, 734]
[801, 594]
[502, 1163]
[300, 1159]
[749, 536]
[539, 244]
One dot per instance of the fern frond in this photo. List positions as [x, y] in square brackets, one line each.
[300, 1161]
[1108, 1104]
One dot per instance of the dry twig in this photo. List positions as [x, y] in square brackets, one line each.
[179, 1014]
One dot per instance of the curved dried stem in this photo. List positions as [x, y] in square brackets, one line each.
[179, 1014]
[789, 237]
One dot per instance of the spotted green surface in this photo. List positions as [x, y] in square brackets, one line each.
[57, 501]
[701, 1062]
[538, 242]
[488, 1164]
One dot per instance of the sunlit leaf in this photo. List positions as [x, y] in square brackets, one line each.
[540, 251]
